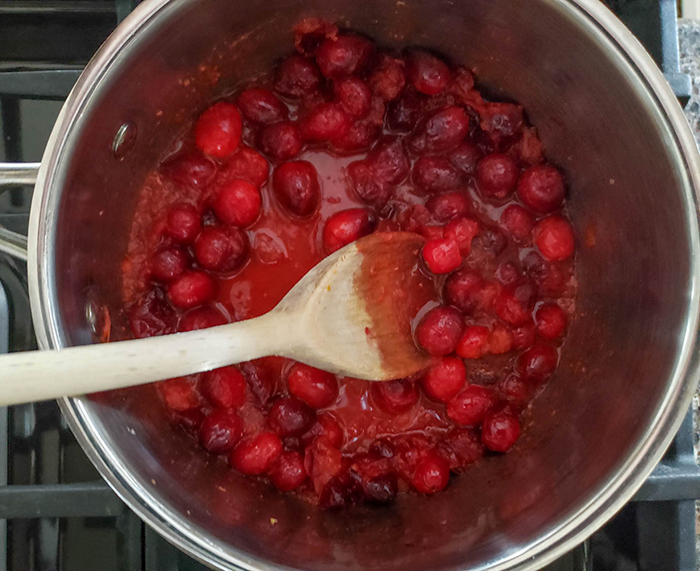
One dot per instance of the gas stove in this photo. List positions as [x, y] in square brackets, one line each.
[55, 511]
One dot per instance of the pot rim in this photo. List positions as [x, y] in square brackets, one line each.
[602, 502]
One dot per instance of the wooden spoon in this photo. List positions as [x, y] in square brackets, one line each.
[351, 315]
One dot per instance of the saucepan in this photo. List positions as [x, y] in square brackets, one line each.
[629, 367]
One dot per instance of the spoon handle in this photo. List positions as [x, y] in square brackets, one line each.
[38, 375]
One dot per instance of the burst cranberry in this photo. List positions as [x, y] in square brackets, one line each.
[465, 157]
[554, 237]
[444, 379]
[344, 55]
[191, 169]
[395, 397]
[280, 141]
[440, 330]
[500, 339]
[179, 394]
[466, 445]
[514, 304]
[496, 176]
[354, 95]
[347, 226]
[260, 379]
[537, 363]
[183, 224]
[296, 187]
[247, 164]
[327, 427]
[191, 289]
[255, 455]
[462, 231]
[474, 342]
[201, 318]
[388, 160]
[443, 130]
[290, 417]
[287, 472]
[168, 265]
[382, 489]
[152, 316]
[326, 122]
[502, 121]
[403, 114]
[238, 203]
[432, 474]
[427, 73]
[551, 279]
[323, 462]
[490, 241]
[500, 430]
[471, 405]
[448, 206]
[515, 391]
[218, 130]
[335, 495]
[388, 78]
[260, 106]
[297, 76]
[523, 335]
[359, 137]
[518, 223]
[315, 387]
[541, 189]
[224, 387]
[463, 290]
[509, 273]
[550, 320]
[441, 256]
[435, 174]
[430, 232]
[221, 248]
[368, 188]
[220, 431]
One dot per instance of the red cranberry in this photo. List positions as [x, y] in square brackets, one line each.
[191, 289]
[327, 427]
[432, 474]
[465, 157]
[435, 174]
[550, 320]
[315, 387]
[518, 223]
[388, 161]
[474, 342]
[201, 318]
[430, 232]
[152, 316]
[296, 187]
[191, 169]
[388, 78]
[509, 273]
[354, 95]
[221, 248]
[441, 256]
[502, 121]
[322, 462]
[440, 330]
[290, 417]
[280, 141]
[462, 231]
[368, 188]
[247, 164]
[448, 206]
[218, 130]
[179, 394]
[347, 226]
[224, 387]
[466, 445]
[427, 73]
[184, 222]
[523, 335]
[297, 76]
[470, 406]
[444, 379]
[382, 489]
[537, 363]
[496, 176]
[541, 189]
[220, 431]
[260, 106]
[238, 203]
[255, 455]
[514, 304]
[515, 391]
[500, 339]
[326, 122]
[554, 237]
[287, 472]
[463, 289]
[500, 430]
[168, 265]
[442, 130]
[344, 55]
[395, 397]
[359, 137]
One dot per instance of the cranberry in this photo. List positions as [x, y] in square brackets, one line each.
[344, 55]
[347, 226]
[183, 224]
[523, 335]
[220, 431]
[500, 430]
[335, 495]
[496, 176]
[297, 76]
[152, 316]
[323, 462]
[260, 379]
[427, 73]
[435, 174]
[441, 256]
[462, 231]
[444, 379]
[290, 417]
[490, 241]
[514, 304]
[260, 106]
[247, 164]
[430, 232]
[537, 363]
[471, 405]
[465, 157]
[382, 489]
[502, 121]
[541, 189]
[518, 223]
[224, 387]
[463, 289]
[326, 122]
[238, 203]
[315, 387]
[191, 289]
[500, 339]
[432, 474]
[441, 131]
[179, 394]
[191, 169]
[287, 472]
[474, 342]
[554, 237]
[550, 320]
[395, 397]
[440, 330]
[296, 187]
[168, 265]
[221, 248]
[201, 318]
[218, 130]
[403, 114]
[466, 445]
[327, 427]
[359, 137]
[388, 78]
[280, 141]
[509, 273]
[515, 391]
[255, 455]
[368, 188]
[388, 160]
[190, 419]
[448, 206]
[551, 280]
[354, 95]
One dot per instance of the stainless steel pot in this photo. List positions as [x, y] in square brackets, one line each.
[629, 367]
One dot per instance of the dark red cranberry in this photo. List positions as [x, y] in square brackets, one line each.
[255, 455]
[287, 472]
[444, 379]
[368, 188]
[515, 391]
[490, 240]
[220, 431]
[343, 55]
[315, 387]
[179, 394]
[382, 489]
[395, 397]
[471, 405]
[238, 203]
[465, 157]
[435, 174]
[462, 231]
[260, 106]
[290, 417]
[474, 343]
[523, 335]
[280, 141]
[297, 76]
[347, 226]
[260, 379]
[388, 78]
[327, 427]
[360, 137]
[541, 189]
[191, 169]
[500, 339]
[551, 279]
[326, 122]
[190, 419]
[466, 445]
[201, 318]
[184, 222]
[463, 289]
[500, 430]
[550, 320]
[448, 206]
[509, 273]
[427, 73]
[191, 289]
[404, 113]
[432, 474]
[247, 164]
[335, 495]
[441, 131]
[354, 95]
[218, 130]
[537, 363]
[502, 121]
[554, 237]
[221, 248]
[496, 176]
[388, 160]
[152, 316]
[441, 256]
[518, 223]
[169, 264]
[224, 387]
[514, 303]
[296, 187]
[440, 330]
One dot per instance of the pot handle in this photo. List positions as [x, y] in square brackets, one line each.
[11, 174]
